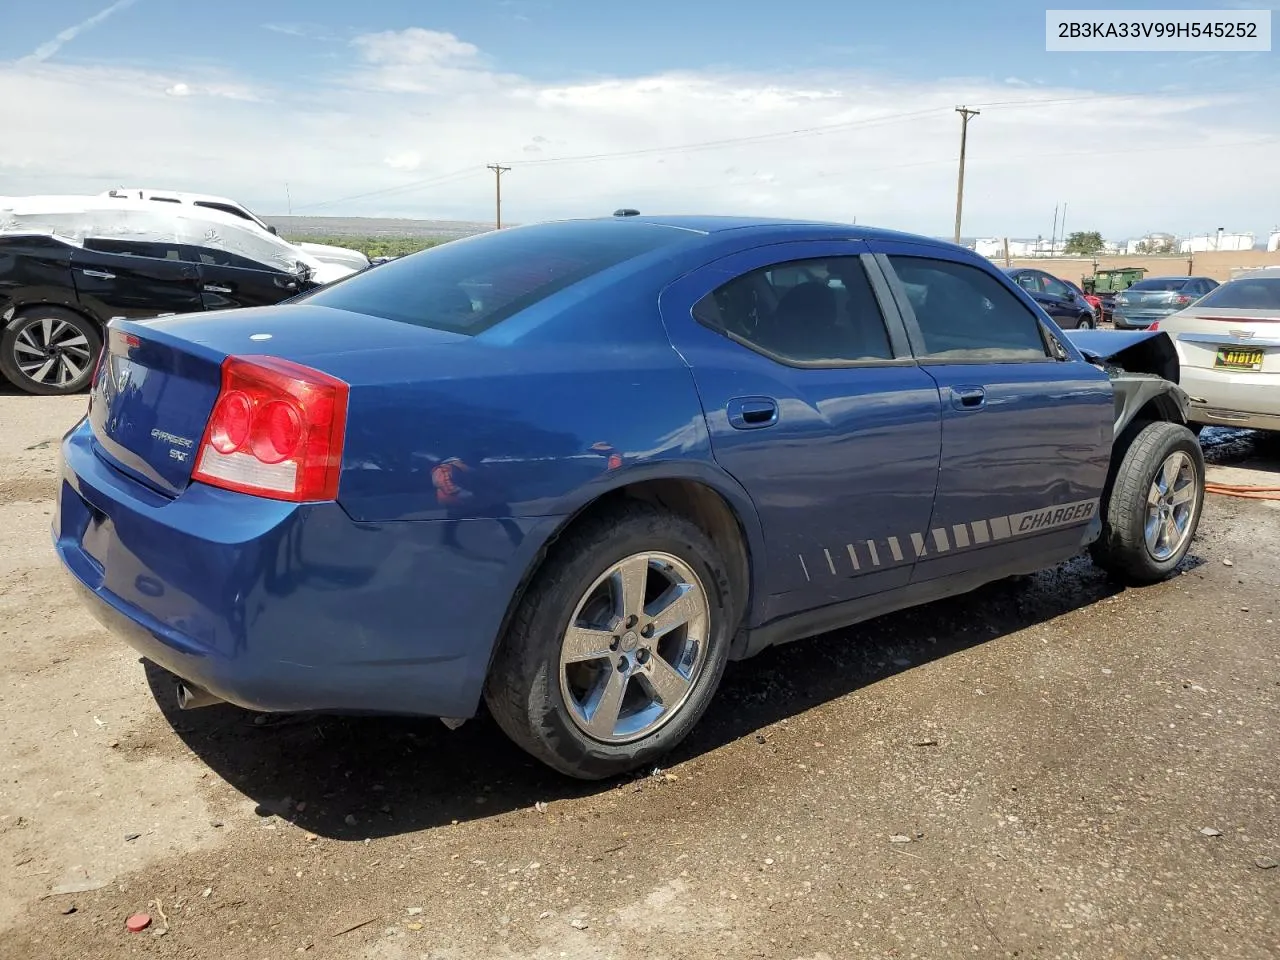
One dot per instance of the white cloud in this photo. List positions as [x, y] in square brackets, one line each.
[50, 47]
[418, 106]
[409, 160]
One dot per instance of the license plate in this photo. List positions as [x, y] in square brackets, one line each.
[1236, 359]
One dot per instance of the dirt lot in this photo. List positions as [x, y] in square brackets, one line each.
[1049, 768]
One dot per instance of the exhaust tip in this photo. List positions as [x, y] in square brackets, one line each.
[192, 697]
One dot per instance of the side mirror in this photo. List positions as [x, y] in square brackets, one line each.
[272, 230]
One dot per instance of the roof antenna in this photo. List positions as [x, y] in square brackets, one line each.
[626, 212]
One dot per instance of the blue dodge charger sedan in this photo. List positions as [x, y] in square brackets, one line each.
[571, 469]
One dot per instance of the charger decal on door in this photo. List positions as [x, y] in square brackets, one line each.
[865, 555]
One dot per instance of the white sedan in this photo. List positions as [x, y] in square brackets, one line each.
[1228, 346]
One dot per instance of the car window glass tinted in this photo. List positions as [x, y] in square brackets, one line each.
[1029, 282]
[211, 257]
[1160, 283]
[134, 248]
[801, 311]
[467, 286]
[965, 313]
[234, 211]
[1247, 293]
[1056, 288]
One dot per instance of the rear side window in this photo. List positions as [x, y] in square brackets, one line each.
[1247, 293]
[964, 313]
[801, 311]
[467, 286]
[135, 248]
[1056, 288]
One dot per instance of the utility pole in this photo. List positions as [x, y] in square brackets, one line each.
[498, 170]
[965, 114]
[1064, 228]
[1054, 235]
[288, 198]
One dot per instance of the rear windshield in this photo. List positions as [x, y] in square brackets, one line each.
[1161, 283]
[1247, 293]
[467, 286]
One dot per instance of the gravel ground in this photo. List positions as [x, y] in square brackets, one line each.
[1051, 767]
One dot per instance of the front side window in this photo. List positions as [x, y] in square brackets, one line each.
[965, 313]
[801, 311]
[213, 257]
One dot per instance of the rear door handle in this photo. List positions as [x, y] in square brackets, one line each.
[752, 413]
[216, 288]
[968, 398]
[99, 274]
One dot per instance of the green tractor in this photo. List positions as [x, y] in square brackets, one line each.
[1105, 284]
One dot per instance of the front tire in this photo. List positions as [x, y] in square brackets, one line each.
[1153, 505]
[49, 351]
[617, 647]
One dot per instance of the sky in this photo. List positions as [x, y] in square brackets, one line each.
[827, 109]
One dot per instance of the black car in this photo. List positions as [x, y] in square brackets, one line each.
[57, 295]
[1062, 301]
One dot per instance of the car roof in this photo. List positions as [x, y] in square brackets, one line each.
[815, 229]
[1262, 273]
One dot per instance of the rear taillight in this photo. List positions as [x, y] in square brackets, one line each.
[1183, 298]
[1154, 326]
[276, 431]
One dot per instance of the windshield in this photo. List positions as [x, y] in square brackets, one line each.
[467, 286]
[1251, 293]
[1160, 283]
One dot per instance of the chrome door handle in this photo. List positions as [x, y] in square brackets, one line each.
[214, 288]
[99, 274]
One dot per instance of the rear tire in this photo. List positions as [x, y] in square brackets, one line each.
[1153, 504]
[1084, 322]
[49, 351]
[636, 693]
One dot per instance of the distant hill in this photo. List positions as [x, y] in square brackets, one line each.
[375, 227]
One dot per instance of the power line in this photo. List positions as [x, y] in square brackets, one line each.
[401, 188]
[731, 141]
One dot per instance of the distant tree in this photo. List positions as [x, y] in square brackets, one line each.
[1084, 242]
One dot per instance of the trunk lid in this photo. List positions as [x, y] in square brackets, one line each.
[159, 379]
[149, 403]
[1229, 340]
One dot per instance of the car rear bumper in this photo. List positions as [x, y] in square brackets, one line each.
[1137, 321]
[1232, 398]
[290, 607]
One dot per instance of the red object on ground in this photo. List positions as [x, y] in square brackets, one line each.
[138, 922]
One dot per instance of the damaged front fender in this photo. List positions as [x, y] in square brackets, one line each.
[1143, 367]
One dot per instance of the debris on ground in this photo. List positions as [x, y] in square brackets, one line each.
[578, 923]
[1211, 831]
[1266, 863]
[137, 923]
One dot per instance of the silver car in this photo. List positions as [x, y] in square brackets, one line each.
[1228, 346]
[1155, 298]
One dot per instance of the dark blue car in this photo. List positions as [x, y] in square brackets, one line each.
[574, 468]
[1058, 298]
